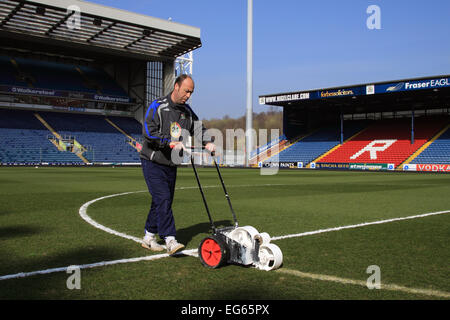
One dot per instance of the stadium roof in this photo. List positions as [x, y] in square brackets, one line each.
[92, 27]
[428, 92]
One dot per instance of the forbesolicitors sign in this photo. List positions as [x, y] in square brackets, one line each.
[354, 91]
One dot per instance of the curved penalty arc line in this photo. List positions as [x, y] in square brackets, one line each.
[83, 214]
[83, 209]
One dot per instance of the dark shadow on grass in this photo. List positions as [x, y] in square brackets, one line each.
[18, 231]
[185, 235]
[53, 286]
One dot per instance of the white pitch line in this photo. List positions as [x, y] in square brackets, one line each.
[84, 215]
[83, 209]
[359, 225]
[384, 286]
[190, 252]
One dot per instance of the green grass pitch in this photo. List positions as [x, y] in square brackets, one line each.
[41, 229]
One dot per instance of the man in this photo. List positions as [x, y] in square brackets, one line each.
[166, 119]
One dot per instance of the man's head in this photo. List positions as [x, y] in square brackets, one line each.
[182, 89]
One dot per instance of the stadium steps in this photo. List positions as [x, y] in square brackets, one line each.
[132, 142]
[425, 146]
[259, 151]
[104, 142]
[335, 148]
[266, 154]
[438, 152]
[282, 146]
[57, 135]
[56, 144]
[80, 155]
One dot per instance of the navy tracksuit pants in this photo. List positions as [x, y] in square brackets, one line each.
[160, 181]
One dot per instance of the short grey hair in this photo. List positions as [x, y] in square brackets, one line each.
[179, 80]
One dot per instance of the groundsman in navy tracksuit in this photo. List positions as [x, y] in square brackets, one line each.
[168, 122]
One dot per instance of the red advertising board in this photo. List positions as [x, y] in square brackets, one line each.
[433, 167]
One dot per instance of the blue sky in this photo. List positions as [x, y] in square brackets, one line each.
[302, 45]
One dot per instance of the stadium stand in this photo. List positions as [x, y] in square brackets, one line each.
[128, 125]
[386, 141]
[9, 75]
[408, 117]
[80, 86]
[24, 139]
[438, 152]
[100, 81]
[32, 73]
[317, 143]
[30, 138]
[103, 142]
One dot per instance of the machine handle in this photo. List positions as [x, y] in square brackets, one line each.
[201, 189]
[192, 148]
[202, 149]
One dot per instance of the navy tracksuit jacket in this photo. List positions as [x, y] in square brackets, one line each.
[165, 122]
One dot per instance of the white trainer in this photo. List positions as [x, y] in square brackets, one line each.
[149, 242]
[173, 246]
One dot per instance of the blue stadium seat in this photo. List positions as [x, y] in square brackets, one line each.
[57, 76]
[316, 144]
[437, 153]
[104, 142]
[24, 139]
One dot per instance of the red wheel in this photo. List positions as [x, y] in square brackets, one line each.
[213, 252]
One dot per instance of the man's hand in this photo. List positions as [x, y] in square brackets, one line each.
[211, 147]
[177, 145]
